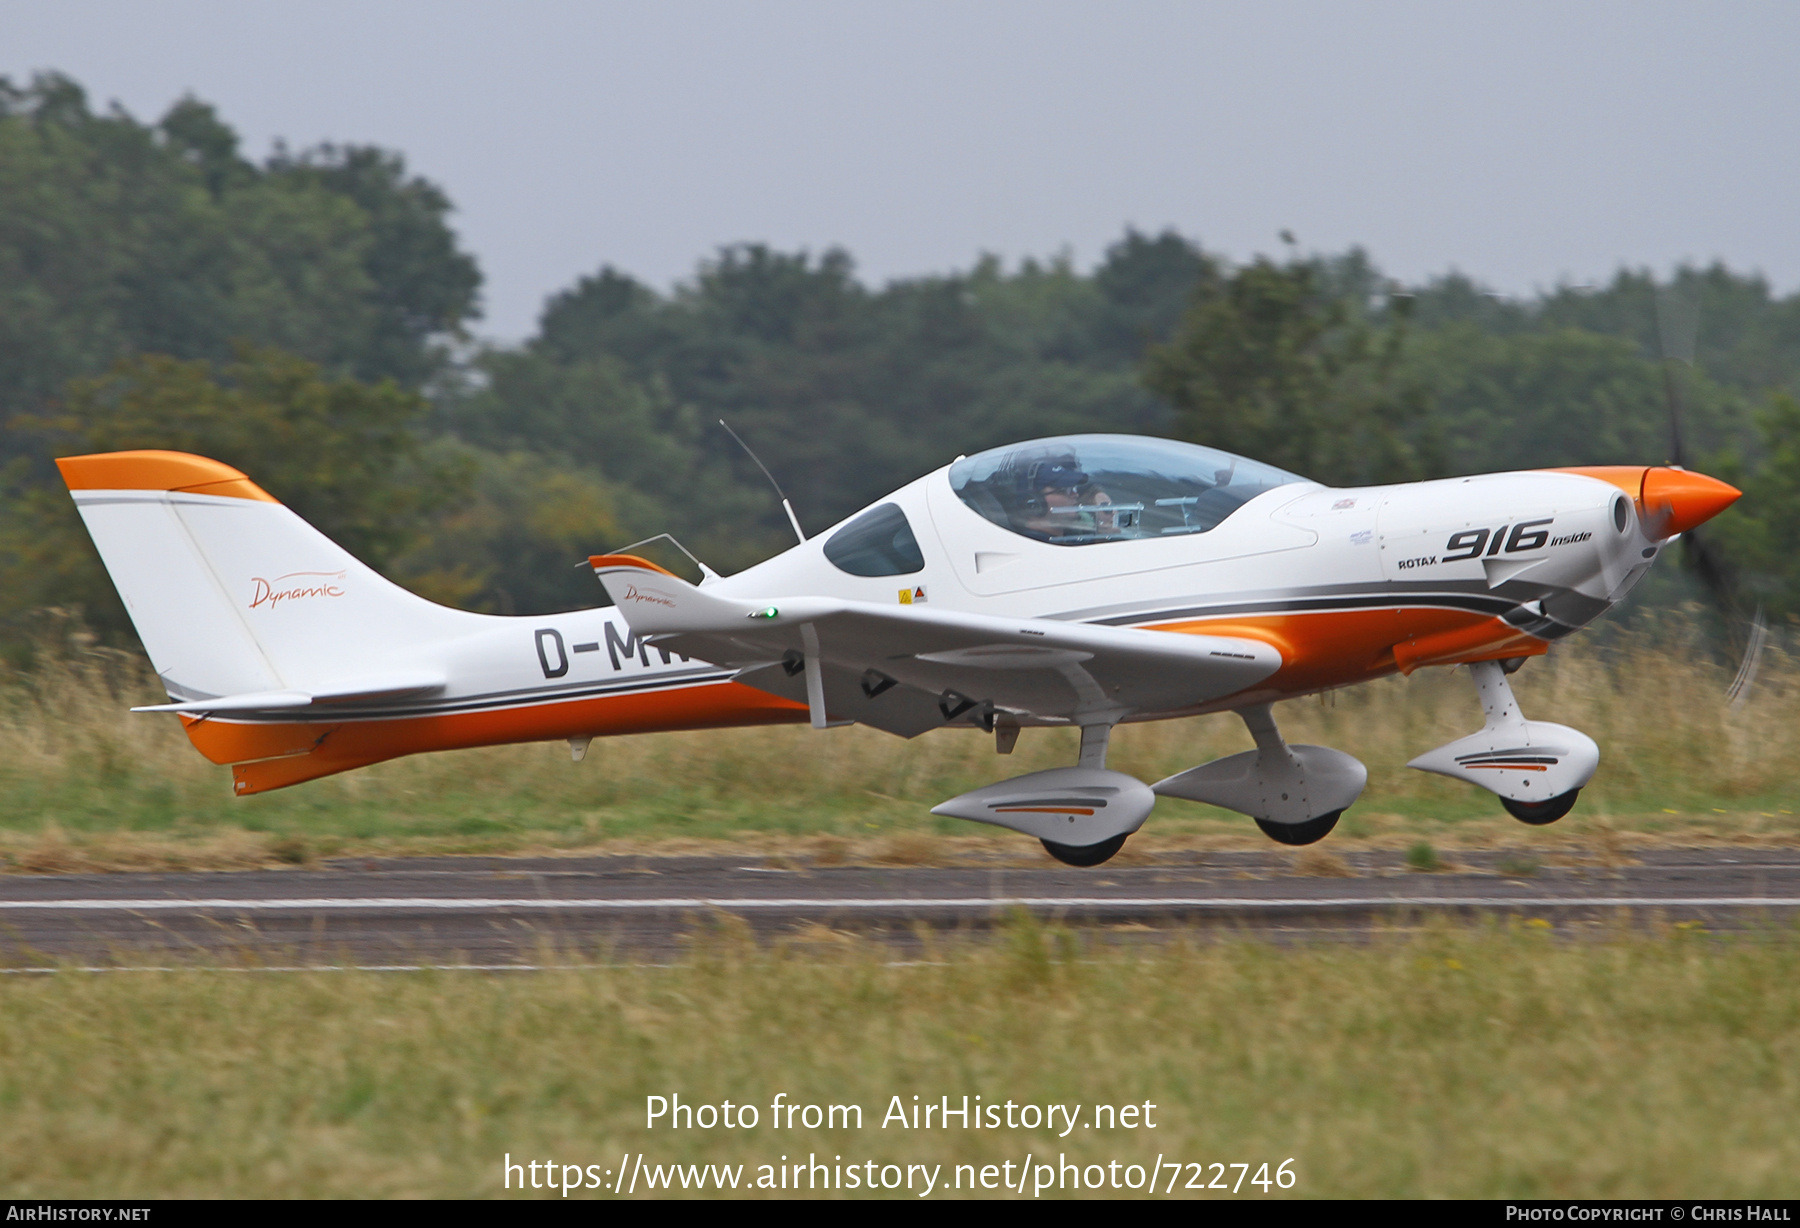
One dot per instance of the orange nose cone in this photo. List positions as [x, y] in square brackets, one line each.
[1675, 500]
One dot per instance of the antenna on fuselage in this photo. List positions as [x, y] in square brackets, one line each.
[785, 505]
[707, 573]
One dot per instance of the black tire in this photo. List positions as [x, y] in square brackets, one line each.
[1084, 854]
[1310, 832]
[1539, 813]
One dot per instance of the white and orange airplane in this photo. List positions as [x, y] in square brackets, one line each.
[1079, 581]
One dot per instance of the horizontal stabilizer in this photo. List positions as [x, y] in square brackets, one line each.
[397, 686]
[256, 701]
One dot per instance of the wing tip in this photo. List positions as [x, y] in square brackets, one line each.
[626, 561]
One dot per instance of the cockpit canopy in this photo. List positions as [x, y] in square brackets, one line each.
[1081, 490]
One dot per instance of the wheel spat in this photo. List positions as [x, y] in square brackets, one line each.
[1084, 854]
[1309, 832]
[1539, 813]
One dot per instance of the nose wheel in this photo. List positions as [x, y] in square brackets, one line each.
[1084, 854]
[1535, 768]
[1538, 814]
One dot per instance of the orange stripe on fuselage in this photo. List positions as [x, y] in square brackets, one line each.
[1319, 650]
[306, 751]
[1333, 648]
[1487, 640]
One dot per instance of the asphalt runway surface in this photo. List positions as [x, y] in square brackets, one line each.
[521, 913]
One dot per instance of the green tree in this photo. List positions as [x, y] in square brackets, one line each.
[517, 545]
[118, 237]
[343, 454]
[1760, 534]
[1271, 364]
[1562, 396]
[421, 287]
[845, 390]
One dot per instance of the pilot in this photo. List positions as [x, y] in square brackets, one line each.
[1052, 489]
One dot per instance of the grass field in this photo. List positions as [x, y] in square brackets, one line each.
[1499, 1062]
[85, 784]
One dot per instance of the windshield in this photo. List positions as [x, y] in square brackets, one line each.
[1080, 490]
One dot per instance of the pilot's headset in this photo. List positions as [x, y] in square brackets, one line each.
[1057, 473]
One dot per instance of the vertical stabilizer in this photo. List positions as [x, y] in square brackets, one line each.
[230, 591]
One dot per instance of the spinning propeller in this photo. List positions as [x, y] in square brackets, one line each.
[1678, 328]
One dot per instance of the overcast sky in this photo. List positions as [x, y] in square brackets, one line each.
[1522, 143]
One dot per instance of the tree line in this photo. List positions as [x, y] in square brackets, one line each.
[307, 318]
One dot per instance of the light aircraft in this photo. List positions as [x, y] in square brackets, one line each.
[1079, 581]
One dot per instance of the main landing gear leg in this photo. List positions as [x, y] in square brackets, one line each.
[1081, 814]
[1295, 793]
[1094, 742]
[1260, 720]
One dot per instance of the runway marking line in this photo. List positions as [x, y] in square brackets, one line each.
[50, 971]
[307, 968]
[750, 904]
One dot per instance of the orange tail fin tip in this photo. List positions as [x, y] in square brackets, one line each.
[151, 469]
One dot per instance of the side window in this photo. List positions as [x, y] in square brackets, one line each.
[877, 543]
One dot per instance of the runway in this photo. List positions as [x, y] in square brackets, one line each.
[504, 912]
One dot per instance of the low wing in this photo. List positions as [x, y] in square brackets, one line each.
[910, 668]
